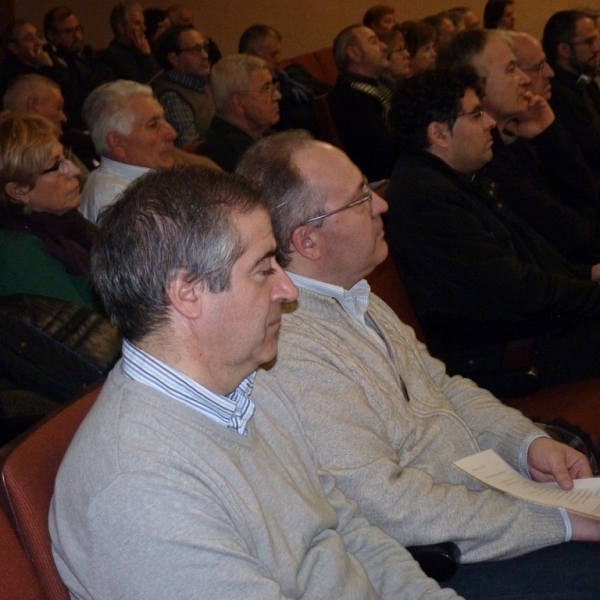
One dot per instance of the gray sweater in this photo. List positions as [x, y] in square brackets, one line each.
[392, 456]
[153, 500]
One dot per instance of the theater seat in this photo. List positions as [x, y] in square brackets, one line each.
[18, 580]
[28, 475]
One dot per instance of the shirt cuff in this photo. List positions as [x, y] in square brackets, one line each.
[568, 526]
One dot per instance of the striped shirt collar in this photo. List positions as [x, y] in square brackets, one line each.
[354, 301]
[233, 411]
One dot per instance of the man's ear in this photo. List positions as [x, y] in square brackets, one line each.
[186, 297]
[115, 142]
[563, 50]
[438, 134]
[355, 54]
[305, 241]
[173, 58]
[32, 103]
[237, 104]
[17, 192]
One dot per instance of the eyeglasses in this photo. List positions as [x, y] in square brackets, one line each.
[268, 88]
[64, 166]
[535, 69]
[476, 113]
[366, 198]
[588, 42]
[70, 30]
[197, 49]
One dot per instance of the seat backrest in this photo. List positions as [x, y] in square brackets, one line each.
[385, 282]
[325, 121]
[28, 476]
[17, 577]
[326, 61]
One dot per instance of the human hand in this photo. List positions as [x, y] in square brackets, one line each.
[596, 273]
[41, 57]
[538, 117]
[549, 460]
[140, 42]
[584, 529]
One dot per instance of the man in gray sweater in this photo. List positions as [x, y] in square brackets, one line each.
[384, 416]
[186, 480]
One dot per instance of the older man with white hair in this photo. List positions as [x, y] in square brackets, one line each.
[130, 133]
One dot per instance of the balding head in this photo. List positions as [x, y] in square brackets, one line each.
[532, 60]
[36, 94]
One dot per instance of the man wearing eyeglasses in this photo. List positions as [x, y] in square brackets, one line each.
[540, 172]
[572, 46]
[183, 88]
[383, 415]
[76, 70]
[23, 53]
[247, 103]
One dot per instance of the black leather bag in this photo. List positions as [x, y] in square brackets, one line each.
[53, 347]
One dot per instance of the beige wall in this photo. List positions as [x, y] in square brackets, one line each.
[305, 24]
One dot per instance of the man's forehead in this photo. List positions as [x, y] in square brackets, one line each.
[498, 52]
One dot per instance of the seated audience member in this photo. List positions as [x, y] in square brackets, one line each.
[212, 485]
[44, 240]
[572, 47]
[343, 352]
[419, 37]
[247, 103]
[381, 18]
[183, 88]
[464, 18]
[360, 102]
[444, 28]
[37, 94]
[130, 134]
[23, 53]
[75, 68]
[157, 22]
[499, 14]
[398, 68]
[477, 274]
[180, 14]
[540, 172]
[297, 86]
[129, 55]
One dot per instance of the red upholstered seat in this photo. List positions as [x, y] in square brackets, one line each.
[28, 475]
[18, 580]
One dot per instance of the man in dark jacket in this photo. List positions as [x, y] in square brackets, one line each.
[540, 171]
[572, 45]
[75, 68]
[477, 274]
[360, 103]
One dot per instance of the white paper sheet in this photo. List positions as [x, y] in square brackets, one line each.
[492, 470]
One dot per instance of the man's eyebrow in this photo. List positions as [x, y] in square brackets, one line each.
[269, 254]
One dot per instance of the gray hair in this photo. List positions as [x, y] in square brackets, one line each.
[231, 75]
[292, 199]
[166, 222]
[108, 109]
[120, 14]
[254, 37]
[467, 45]
[343, 40]
[25, 87]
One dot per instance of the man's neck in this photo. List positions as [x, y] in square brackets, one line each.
[359, 71]
[242, 124]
